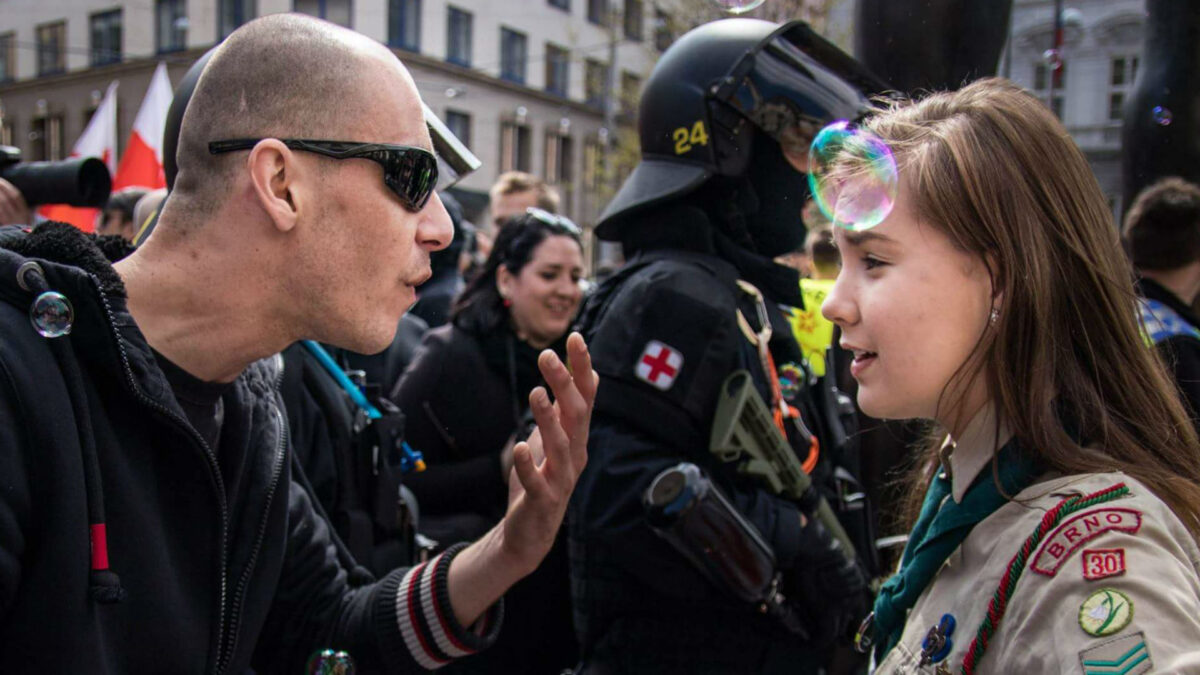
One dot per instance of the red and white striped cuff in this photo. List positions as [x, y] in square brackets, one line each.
[431, 633]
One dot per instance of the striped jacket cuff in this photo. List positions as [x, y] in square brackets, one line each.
[420, 609]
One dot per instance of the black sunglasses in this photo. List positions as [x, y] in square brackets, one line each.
[409, 172]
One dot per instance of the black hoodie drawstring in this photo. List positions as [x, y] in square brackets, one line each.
[105, 585]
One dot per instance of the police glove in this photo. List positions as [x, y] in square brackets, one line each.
[826, 587]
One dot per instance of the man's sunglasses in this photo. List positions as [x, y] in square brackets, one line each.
[409, 172]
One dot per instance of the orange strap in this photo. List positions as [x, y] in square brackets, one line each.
[778, 406]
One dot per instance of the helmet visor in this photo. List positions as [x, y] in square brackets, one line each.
[795, 83]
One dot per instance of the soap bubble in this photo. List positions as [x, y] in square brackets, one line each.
[738, 6]
[1053, 58]
[52, 314]
[330, 662]
[852, 176]
[1162, 116]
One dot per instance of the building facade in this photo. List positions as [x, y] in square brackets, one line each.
[1102, 43]
[524, 83]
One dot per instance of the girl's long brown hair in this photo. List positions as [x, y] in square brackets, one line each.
[991, 167]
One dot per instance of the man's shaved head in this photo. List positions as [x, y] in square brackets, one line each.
[283, 76]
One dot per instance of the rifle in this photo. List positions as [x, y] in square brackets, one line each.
[744, 432]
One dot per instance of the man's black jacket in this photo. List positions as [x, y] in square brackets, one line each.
[202, 577]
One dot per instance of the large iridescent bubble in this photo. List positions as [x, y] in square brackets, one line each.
[853, 176]
[738, 6]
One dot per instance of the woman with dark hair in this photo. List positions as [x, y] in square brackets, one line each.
[465, 397]
[1055, 510]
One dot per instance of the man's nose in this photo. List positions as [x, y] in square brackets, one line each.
[435, 229]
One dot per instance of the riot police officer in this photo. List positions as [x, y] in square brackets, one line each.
[725, 121]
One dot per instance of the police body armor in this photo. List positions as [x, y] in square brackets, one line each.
[730, 633]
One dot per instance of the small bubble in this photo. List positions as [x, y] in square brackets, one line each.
[1162, 116]
[330, 662]
[52, 314]
[738, 6]
[1053, 58]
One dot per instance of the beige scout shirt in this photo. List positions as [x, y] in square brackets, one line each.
[1114, 589]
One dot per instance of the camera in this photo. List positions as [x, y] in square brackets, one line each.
[82, 181]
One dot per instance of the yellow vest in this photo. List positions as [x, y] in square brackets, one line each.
[813, 331]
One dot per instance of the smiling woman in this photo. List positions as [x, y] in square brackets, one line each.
[466, 395]
[994, 299]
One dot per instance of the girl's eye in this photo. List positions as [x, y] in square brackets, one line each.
[549, 276]
[871, 262]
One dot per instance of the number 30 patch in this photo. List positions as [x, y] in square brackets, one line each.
[686, 139]
[1102, 563]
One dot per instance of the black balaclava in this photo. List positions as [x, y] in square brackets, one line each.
[776, 225]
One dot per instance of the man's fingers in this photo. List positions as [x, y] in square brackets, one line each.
[570, 402]
[531, 479]
[555, 443]
[579, 359]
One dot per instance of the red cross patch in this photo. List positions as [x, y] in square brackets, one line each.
[659, 365]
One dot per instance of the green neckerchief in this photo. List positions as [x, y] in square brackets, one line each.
[940, 529]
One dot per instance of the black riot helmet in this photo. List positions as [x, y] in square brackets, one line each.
[719, 87]
[183, 94]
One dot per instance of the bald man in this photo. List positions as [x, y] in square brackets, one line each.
[149, 521]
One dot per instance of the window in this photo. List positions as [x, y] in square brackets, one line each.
[106, 38]
[46, 139]
[404, 24]
[458, 37]
[51, 48]
[459, 124]
[1116, 102]
[634, 20]
[558, 61]
[514, 147]
[662, 30]
[559, 164]
[333, 11]
[8, 58]
[1041, 84]
[598, 12]
[1124, 70]
[593, 165]
[513, 56]
[170, 20]
[1121, 76]
[631, 86]
[233, 13]
[595, 83]
[561, 4]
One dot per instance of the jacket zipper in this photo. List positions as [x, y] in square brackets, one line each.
[214, 467]
[235, 611]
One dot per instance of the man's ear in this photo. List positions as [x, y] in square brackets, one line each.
[273, 176]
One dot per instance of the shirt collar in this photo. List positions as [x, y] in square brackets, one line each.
[967, 457]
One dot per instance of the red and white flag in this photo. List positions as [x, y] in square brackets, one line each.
[99, 139]
[142, 163]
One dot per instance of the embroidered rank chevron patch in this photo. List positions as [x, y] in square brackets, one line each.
[1127, 655]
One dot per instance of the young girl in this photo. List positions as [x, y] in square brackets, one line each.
[1057, 530]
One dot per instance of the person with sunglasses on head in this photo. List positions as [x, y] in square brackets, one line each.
[725, 121]
[465, 407]
[149, 519]
[1056, 505]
